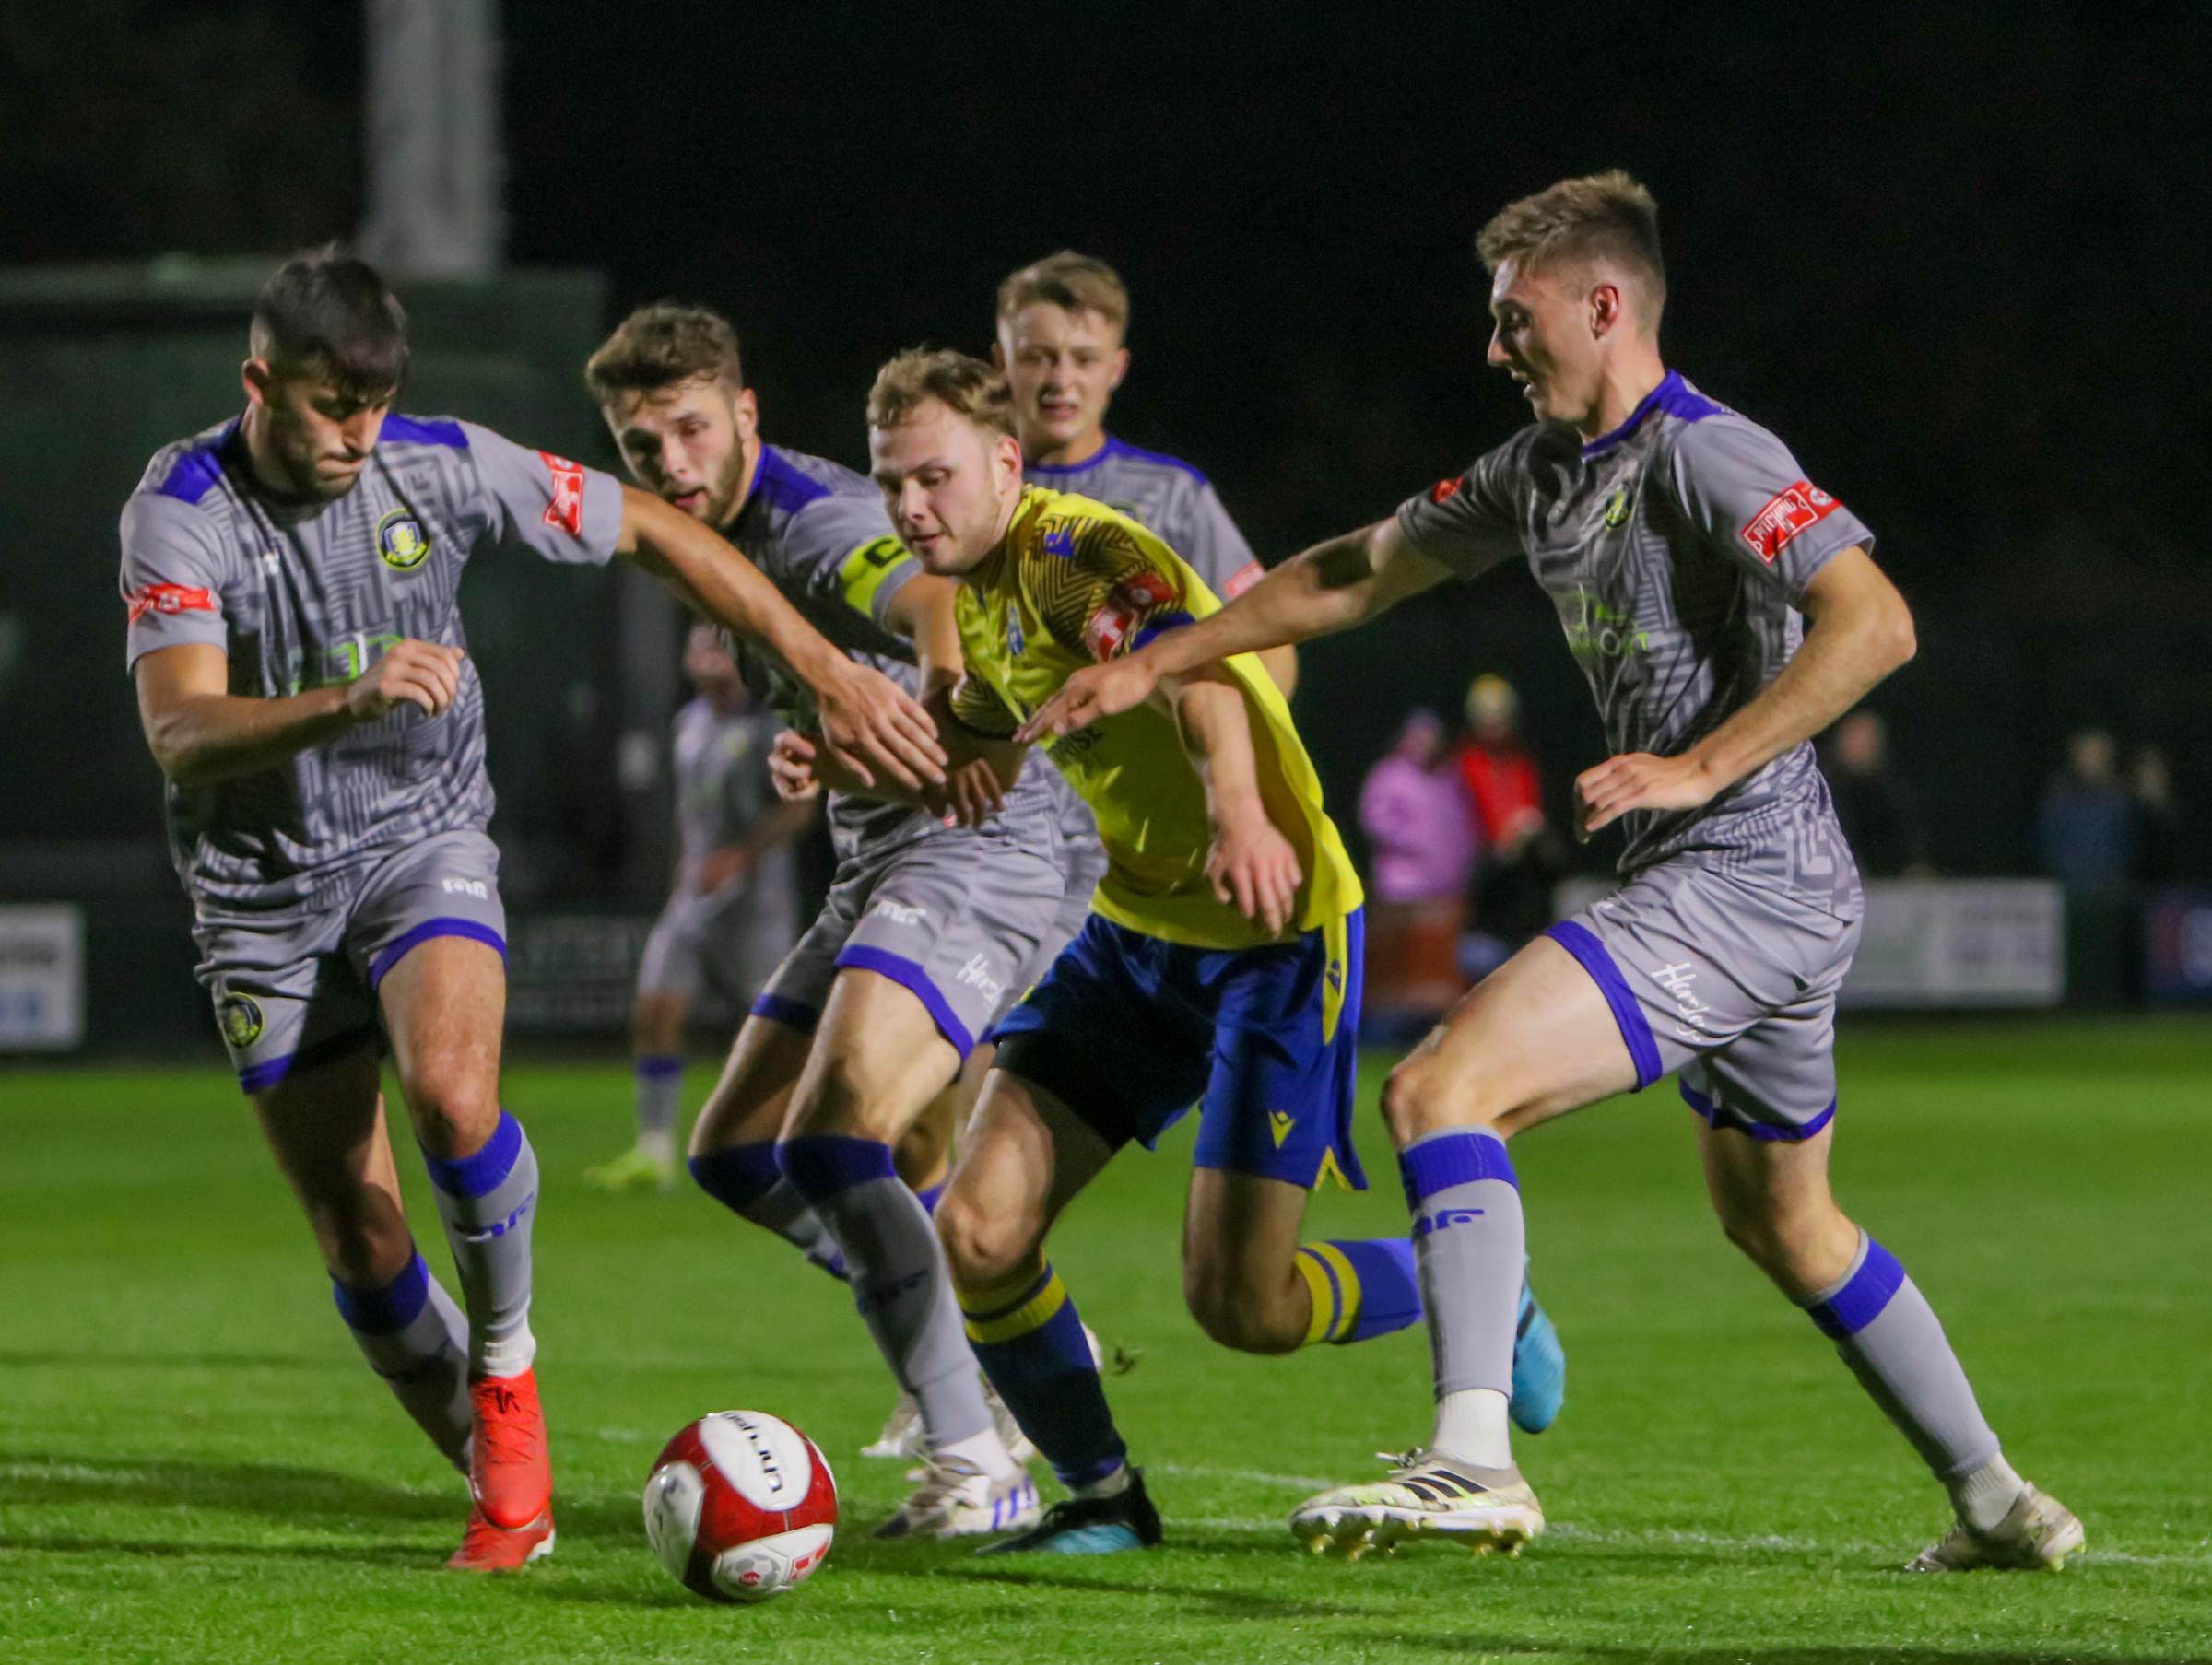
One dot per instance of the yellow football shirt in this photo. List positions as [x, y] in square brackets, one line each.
[1074, 583]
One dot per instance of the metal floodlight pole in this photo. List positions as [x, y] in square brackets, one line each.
[436, 174]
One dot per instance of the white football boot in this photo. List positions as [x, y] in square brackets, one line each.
[1428, 1494]
[2037, 1535]
[956, 1499]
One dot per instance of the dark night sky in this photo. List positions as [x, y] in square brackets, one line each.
[1953, 255]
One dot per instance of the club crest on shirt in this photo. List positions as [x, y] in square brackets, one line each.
[1617, 507]
[401, 540]
[1017, 643]
[240, 1015]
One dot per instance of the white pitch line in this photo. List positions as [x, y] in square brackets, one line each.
[1297, 1482]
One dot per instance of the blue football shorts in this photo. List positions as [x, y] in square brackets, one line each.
[1130, 1031]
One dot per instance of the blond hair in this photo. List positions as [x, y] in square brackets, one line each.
[966, 386]
[1079, 283]
[663, 346]
[1600, 218]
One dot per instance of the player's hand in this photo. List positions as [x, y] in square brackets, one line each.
[1638, 780]
[869, 722]
[413, 672]
[726, 864]
[1093, 692]
[972, 794]
[1253, 868]
[791, 768]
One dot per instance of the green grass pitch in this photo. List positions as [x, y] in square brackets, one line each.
[195, 1466]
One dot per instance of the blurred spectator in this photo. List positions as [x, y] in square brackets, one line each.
[1878, 816]
[2159, 855]
[1521, 856]
[1414, 811]
[2086, 830]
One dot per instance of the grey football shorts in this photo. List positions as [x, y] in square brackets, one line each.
[729, 944]
[294, 994]
[1730, 983]
[955, 916]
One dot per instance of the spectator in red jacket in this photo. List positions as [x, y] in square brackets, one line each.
[1511, 899]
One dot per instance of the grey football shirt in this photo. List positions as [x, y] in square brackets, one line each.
[723, 790]
[820, 533]
[1677, 550]
[300, 595]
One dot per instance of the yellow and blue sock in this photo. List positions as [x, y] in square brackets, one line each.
[1362, 1288]
[1030, 1339]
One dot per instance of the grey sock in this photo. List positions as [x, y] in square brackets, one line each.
[488, 1201]
[899, 1276]
[660, 1089]
[1889, 1335]
[415, 1339]
[1468, 1243]
[745, 1180]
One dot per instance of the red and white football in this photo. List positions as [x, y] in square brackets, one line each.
[740, 1507]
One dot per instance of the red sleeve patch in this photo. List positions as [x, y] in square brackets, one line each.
[1251, 574]
[1127, 605]
[1444, 489]
[567, 507]
[169, 598]
[1786, 514]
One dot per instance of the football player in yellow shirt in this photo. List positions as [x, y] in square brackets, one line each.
[1220, 967]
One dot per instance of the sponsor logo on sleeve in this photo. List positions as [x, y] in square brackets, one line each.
[1127, 603]
[169, 598]
[1444, 491]
[1788, 512]
[401, 540]
[566, 509]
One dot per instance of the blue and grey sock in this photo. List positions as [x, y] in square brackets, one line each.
[660, 1085]
[1468, 1242]
[488, 1201]
[746, 1180]
[415, 1338]
[1887, 1333]
[898, 1272]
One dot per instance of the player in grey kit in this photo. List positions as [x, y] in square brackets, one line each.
[1683, 548]
[1062, 332]
[926, 932]
[733, 913]
[292, 582]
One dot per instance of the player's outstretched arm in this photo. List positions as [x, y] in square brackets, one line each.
[977, 774]
[1862, 631]
[1330, 587]
[871, 722]
[1250, 866]
[923, 612]
[201, 733]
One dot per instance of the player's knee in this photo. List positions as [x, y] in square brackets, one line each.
[1789, 1244]
[982, 1246]
[1421, 1096]
[1237, 1316]
[454, 1106]
[839, 1102]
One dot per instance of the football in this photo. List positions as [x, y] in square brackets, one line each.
[740, 1507]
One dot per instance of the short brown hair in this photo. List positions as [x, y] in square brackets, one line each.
[1604, 217]
[1078, 282]
[966, 386]
[661, 345]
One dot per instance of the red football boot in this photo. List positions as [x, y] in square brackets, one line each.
[486, 1548]
[509, 1477]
